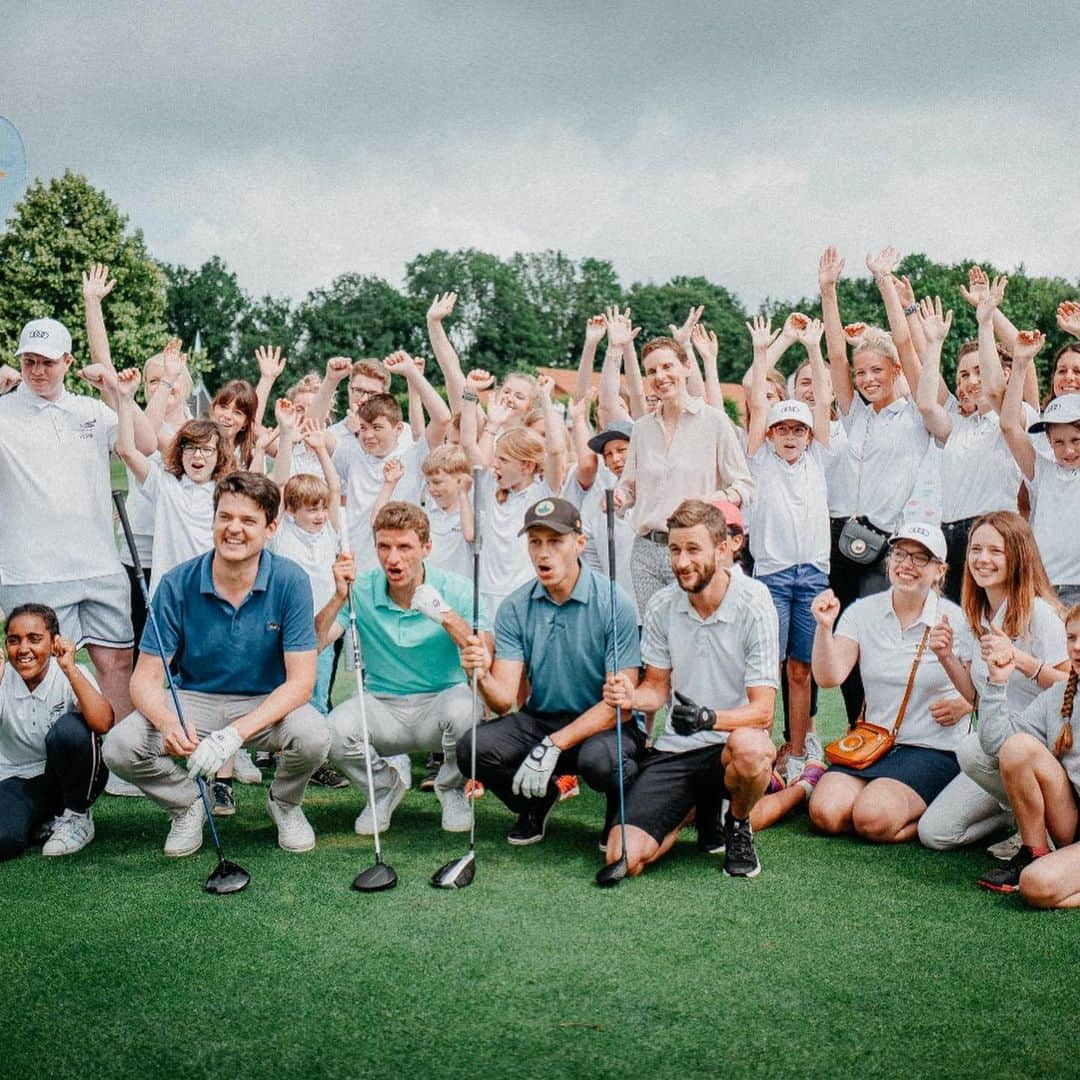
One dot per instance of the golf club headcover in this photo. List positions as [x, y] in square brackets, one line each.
[688, 716]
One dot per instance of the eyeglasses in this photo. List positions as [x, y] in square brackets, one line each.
[916, 558]
[196, 448]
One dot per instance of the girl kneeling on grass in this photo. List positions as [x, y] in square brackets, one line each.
[1039, 753]
[887, 636]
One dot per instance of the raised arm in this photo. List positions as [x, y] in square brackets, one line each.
[708, 348]
[477, 380]
[635, 384]
[95, 709]
[416, 405]
[271, 365]
[906, 292]
[695, 384]
[96, 285]
[830, 267]
[555, 463]
[991, 373]
[319, 442]
[935, 328]
[158, 404]
[337, 369]
[594, 334]
[789, 334]
[882, 266]
[833, 658]
[401, 363]
[579, 427]
[127, 382]
[1028, 344]
[762, 336]
[619, 333]
[445, 355]
[288, 434]
[809, 337]
[392, 472]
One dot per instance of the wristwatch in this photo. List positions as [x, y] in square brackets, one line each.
[469, 396]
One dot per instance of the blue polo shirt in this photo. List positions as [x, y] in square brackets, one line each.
[404, 651]
[567, 648]
[219, 649]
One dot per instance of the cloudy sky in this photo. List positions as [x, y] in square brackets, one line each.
[735, 140]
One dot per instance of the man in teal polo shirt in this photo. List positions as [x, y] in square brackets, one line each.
[412, 620]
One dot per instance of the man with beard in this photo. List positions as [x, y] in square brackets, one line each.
[710, 654]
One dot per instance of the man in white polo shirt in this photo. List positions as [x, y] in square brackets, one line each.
[57, 545]
[710, 643]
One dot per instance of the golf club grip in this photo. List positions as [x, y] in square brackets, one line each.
[129, 536]
[609, 513]
[477, 544]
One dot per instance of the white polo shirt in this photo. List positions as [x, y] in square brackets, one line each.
[54, 488]
[342, 434]
[504, 560]
[839, 471]
[886, 449]
[27, 716]
[1055, 519]
[789, 515]
[449, 549]
[1044, 638]
[885, 657]
[140, 512]
[314, 553]
[183, 519]
[712, 661]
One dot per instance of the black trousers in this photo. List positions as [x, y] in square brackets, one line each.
[74, 777]
[956, 538]
[503, 744]
[138, 606]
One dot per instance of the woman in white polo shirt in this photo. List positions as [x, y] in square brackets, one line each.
[886, 635]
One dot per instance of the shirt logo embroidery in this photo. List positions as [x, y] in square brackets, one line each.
[273, 627]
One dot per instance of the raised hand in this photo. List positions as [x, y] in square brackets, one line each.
[338, 368]
[705, 342]
[1068, 317]
[620, 329]
[825, 609]
[681, 334]
[904, 289]
[264, 436]
[830, 267]
[941, 639]
[441, 306]
[853, 331]
[392, 471]
[978, 286]
[352, 420]
[172, 361]
[479, 380]
[99, 376]
[595, 328]
[271, 362]
[96, 283]
[313, 432]
[809, 333]
[9, 378]
[127, 382]
[883, 263]
[545, 384]
[996, 647]
[498, 412]
[935, 325]
[287, 417]
[762, 334]
[579, 410]
[1028, 344]
[400, 363]
[64, 651]
[419, 363]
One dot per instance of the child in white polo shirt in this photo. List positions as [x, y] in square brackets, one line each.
[789, 518]
[447, 484]
[52, 717]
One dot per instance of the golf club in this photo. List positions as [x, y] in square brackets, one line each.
[458, 873]
[380, 876]
[227, 877]
[613, 873]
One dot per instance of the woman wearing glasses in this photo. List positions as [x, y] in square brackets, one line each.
[886, 635]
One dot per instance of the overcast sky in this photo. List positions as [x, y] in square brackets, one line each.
[735, 140]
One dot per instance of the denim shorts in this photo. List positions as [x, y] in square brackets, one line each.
[793, 590]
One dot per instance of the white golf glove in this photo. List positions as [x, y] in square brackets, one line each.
[428, 602]
[213, 751]
[531, 780]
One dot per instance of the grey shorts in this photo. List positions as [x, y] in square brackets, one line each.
[94, 611]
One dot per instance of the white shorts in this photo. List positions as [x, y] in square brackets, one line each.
[96, 611]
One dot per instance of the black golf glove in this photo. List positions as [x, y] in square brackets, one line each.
[688, 716]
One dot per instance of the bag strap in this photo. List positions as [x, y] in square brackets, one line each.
[910, 682]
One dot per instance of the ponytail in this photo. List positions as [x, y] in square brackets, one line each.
[1065, 740]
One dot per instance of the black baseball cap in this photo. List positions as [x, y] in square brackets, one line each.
[617, 429]
[558, 515]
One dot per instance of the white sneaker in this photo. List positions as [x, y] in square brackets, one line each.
[812, 745]
[116, 786]
[71, 833]
[402, 765]
[793, 768]
[185, 836]
[455, 810]
[294, 831]
[245, 770]
[386, 805]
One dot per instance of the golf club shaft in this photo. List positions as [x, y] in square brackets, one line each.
[610, 510]
[477, 544]
[125, 525]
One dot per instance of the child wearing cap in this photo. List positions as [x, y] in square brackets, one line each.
[1055, 485]
[789, 519]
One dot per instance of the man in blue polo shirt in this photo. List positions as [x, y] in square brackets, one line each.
[412, 620]
[556, 631]
[237, 630]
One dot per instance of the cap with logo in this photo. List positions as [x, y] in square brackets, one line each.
[797, 412]
[1062, 410]
[922, 532]
[617, 429]
[45, 337]
[558, 515]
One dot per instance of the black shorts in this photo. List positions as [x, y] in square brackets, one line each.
[669, 785]
[925, 771]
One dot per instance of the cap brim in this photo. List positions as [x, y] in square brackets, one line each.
[554, 526]
[597, 443]
[49, 354]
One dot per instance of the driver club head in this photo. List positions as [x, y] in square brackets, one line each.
[375, 878]
[227, 877]
[611, 874]
[456, 874]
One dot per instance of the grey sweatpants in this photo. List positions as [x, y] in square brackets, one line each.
[135, 750]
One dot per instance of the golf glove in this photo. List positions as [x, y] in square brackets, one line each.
[688, 716]
[428, 602]
[213, 751]
[531, 780]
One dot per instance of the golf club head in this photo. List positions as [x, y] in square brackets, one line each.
[375, 878]
[227, 878]
[456, 874]
[611, 874]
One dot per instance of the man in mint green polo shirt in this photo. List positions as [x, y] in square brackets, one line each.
[412, 620]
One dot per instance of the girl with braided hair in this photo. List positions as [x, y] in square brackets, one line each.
[1039, 755]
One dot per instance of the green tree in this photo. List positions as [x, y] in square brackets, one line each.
[54, 234]
[207, 302]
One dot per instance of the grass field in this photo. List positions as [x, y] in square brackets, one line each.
[840, 958]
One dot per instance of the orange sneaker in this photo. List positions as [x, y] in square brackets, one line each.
[568, 787]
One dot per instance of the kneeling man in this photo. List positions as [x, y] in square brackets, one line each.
[711, 640]
[237, 631]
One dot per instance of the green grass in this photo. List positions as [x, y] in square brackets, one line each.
[841, 958]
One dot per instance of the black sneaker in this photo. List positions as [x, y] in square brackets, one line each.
[327, 776]
[263, 759]
[741, 858]
[710, 828]
[530, 825]
[432, 766]
[1007, 878]
[222, 802]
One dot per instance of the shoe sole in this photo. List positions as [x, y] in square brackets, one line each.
[998, 888]
[543, 830]
[68, 851]
[750, 874]
[183, 854]
[223, 811]
[297, 850]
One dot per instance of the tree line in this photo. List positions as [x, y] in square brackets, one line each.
[521, 312]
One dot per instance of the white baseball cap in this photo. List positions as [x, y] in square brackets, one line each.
[45, 337]
[1062, 410]
[922, 532]
[794, 411]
